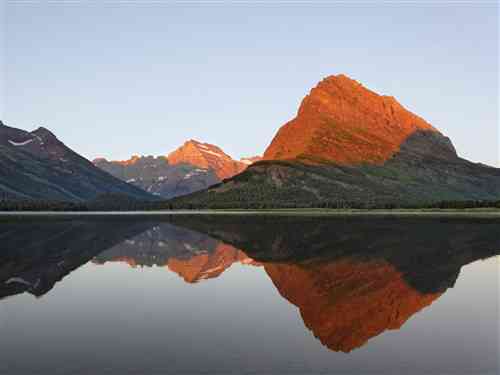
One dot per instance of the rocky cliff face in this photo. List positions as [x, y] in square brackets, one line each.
[205, 155]
[343, 122]
[37, 165]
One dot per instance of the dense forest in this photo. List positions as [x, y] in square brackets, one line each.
[119, 202]
[107, 202]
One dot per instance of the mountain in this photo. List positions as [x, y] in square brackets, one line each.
[342, 122]
[192, 167]
[159, 177]
[36, 165]
[205, 155]
[351, 146]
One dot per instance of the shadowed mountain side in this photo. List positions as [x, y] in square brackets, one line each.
[37, 165]
[429, 252]
[158, 176]
[35, 255]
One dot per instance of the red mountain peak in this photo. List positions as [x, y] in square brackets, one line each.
[343, 122]
[205, 155]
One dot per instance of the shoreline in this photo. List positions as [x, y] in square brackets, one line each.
[274, 212]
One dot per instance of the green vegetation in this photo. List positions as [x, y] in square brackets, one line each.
[106, 202]
[123, 203]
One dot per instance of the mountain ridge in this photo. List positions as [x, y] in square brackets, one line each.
[192, 167]
[37, 165]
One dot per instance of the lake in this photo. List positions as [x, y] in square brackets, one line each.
[249, 294]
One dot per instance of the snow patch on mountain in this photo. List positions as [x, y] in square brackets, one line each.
[24, 143]
[18, 280]
[213, 153]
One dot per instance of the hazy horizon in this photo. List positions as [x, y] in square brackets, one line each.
[115, 79]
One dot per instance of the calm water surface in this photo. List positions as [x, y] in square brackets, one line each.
[249, 295]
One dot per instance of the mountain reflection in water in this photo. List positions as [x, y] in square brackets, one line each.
[352, 278]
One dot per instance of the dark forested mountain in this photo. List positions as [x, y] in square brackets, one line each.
[349, 144]
[192, 167]
[36, 165]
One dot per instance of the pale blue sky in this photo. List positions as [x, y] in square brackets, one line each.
[116, 78]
